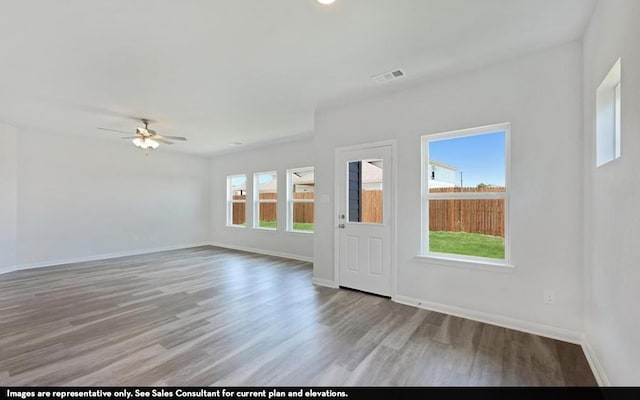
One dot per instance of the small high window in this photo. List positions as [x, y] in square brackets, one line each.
[608, 119]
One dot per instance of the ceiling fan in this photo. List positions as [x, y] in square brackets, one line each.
[146, 138]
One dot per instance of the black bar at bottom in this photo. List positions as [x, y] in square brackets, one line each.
[276, 393]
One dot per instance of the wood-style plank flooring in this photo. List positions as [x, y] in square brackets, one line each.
[210, 316]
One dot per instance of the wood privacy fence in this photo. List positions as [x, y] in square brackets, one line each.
[239, 211]
[485, 216]
[302, 212]
[371, 211]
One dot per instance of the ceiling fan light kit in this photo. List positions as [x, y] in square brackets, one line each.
[145, 143]
[147, 139]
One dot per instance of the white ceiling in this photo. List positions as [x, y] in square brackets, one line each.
[244, 70]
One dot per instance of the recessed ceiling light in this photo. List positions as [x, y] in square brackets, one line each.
[326, 1]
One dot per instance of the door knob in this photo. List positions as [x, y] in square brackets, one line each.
[341, 226]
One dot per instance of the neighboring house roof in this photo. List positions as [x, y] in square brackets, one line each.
[443, 165]
[370, 172]
[302, 177]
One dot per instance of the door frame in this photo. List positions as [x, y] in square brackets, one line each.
[394, 222]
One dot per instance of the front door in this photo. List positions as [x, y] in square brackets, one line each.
[364, 218]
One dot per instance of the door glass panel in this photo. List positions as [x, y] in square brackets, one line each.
[365, 188]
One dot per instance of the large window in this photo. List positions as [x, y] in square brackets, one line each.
[465, 194]
[300, 199]
[265, 195]
[236, 200]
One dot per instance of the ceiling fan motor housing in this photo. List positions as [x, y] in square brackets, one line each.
[145, 132]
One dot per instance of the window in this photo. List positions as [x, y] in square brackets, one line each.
[300, 198]
[608, 120]
[236, 200]
[265, 189]
[465, 194]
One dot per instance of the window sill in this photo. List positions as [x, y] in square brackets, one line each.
[306, 233]
[266, 229]
[488, 265]
[236, 226]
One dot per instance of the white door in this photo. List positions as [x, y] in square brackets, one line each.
[363, 179]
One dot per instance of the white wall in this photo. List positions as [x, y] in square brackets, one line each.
[8, 197]
[611, 192]
[541, 96]
[278, 157]
[80, 198]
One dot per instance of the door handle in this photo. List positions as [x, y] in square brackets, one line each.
[341, 226]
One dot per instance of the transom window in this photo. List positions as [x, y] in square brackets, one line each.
[465, 194]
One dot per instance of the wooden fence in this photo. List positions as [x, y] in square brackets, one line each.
[371, 211]
[239, 213]
[485, 216]
[302, 212]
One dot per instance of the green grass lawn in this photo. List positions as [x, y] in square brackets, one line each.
[297, 226]
[303, 226]
[469, 244]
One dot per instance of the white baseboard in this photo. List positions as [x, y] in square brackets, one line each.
[594, 363]
[107, 256]
[325, 282]
[7, 269]
[262, 251]
[535, 328]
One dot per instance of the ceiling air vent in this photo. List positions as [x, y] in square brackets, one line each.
[388, 76]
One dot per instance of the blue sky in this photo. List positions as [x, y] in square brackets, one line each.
[241, 179]
[480, 158]
[238, 180]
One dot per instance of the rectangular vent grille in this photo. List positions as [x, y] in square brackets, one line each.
[388, 76]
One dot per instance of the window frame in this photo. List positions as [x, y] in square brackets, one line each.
[617, 130]
[291, 200]
[257, 201]
[608, 132]
[231, 201]
[458, 259]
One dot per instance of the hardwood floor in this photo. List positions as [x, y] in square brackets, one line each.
[210, 316]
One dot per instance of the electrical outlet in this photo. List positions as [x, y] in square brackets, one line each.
[549, 296]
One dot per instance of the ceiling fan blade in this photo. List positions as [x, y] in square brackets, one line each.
[171, 137]
[112, 130]
[156, 138]
[130, 137]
